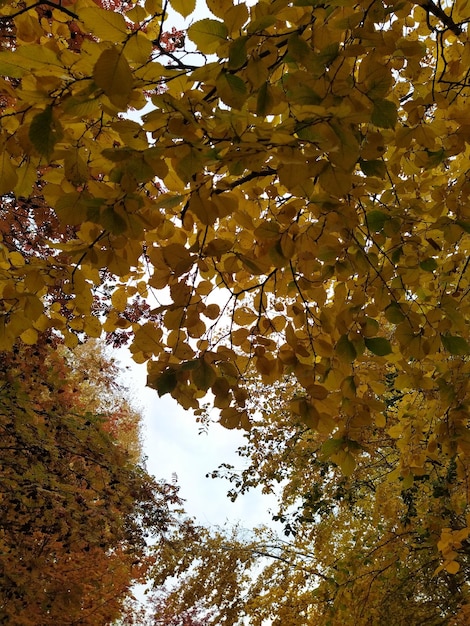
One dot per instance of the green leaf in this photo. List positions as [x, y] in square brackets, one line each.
[303, 94]
[71, 208]
[300, 51]
[169, 201]
[237, 54]
[331, 446]
[464, 225]
[394, 314]
[165, 383]
[435, 158]
[231, 89]
[112, 221]
[384, 114]
[308, 414]
[45, 132]
[376, 220]
[208, 34]
[378, 345]
[455, 345]
[260, 24]
[204, 375]
[116, 155]
[265, 100]
[76, 170]
[429, 265]
[113, 75]
[376, 167]
[345, 349]
[268, 229]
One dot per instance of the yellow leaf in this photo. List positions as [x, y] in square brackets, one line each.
[16, 259]
[105, 24]
[230, 418]
[183, 7]
[205, 210]
[212, 311]
[235, 17]
[208, 35]
[347, 463]
[119, 299]
[30, 336]
[27, 176]
[148, 338]
[138, 48]
[335, 181]
[153, 7]
[243, 316]
[8, 174]
[452, 567]
[219, 7]
[177, 257]
[174, 318]
[113, 75]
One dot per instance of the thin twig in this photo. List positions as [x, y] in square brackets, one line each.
[49, 3]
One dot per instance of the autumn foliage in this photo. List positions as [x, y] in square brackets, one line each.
[291, 212]
[76, 505]
[362, 549]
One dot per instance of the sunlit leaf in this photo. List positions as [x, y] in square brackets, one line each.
[208, 34]
[184, 7]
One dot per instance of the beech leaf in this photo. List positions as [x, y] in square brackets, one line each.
[113, 75]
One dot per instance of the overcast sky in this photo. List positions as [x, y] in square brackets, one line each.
[173, 444]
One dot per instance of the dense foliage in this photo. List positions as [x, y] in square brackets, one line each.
[76, 506]
[364, 549]
[291, 212]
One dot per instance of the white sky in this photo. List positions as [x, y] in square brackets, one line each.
[173, 444]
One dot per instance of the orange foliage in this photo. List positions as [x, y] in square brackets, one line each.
[75, 507]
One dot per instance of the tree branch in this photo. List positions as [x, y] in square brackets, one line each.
[430, 7]
[48, 3]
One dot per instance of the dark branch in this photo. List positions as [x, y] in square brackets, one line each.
[430, 7]
[49, 3]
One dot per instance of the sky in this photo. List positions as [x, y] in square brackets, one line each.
[173, 444]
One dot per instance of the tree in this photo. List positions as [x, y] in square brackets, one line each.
[297, 199]
[364, 549]
[76, 504]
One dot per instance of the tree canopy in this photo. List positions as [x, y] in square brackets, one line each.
[366, 549]
[290, 211]
[77, 505]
